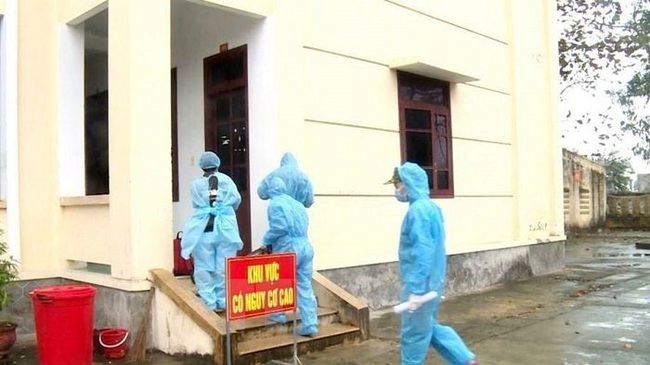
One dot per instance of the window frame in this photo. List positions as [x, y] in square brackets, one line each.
[433, 109]
[174, 126]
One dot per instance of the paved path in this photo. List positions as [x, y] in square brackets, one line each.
[594, 312]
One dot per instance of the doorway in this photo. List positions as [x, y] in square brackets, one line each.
[225, 80]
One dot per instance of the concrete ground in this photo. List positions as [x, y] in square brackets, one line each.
[593, 312]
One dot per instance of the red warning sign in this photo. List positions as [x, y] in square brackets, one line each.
[258, 285]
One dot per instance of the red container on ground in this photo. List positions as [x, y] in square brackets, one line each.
[63, 315]
[113, 342]
[97, 347]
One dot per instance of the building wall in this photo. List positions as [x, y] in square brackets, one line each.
[329, 95]
[343, 126]
[584, 192]
[37, 72]
[378, 284]
[628, 211]
[322, 84]
[506, 144]
[642, 183]
[61, 231]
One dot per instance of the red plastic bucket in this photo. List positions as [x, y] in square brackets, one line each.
[96, 346]
[112, 342]
[63, 315]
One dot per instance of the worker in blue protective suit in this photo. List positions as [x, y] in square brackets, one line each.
[297, 182]
[288, 225]
[422, 266]
[211, 234]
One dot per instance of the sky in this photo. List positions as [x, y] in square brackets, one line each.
[584, 139]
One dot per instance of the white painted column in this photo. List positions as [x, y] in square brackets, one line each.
[71, 159]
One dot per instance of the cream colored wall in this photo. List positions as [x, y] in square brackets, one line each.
[537, 143]
[37, 131]
[328, 104]
[139, 134]
[389, 31]
[75, 11]
[326, 93]
[130, 229]
[343, 124]
[9, 125]
[88, 227]
[251, 8]
[484, 17]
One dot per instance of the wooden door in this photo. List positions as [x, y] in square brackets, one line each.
[226, 124]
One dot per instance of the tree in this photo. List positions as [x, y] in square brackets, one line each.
[617, 172]
[599, 37]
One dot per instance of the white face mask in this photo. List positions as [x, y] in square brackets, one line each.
[401, 195]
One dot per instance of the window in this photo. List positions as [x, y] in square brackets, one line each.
[425, 129]
[83, 107]
[96, 143]
[96, 146]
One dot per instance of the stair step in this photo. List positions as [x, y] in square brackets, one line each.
[261, 327]
[262, 321]
[281, 346]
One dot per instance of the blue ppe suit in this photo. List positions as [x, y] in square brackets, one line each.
[288, 225]
[422, 265]
[210, 249]
[296, 181]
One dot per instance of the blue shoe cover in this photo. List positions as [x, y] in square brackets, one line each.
[278, 318]
[307, 331]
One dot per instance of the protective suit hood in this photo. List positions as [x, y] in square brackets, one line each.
[297, 183]
[276, 187]
[416, 181]
[288, 159]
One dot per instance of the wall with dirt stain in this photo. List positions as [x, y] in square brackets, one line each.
[584, 192]
[628, 211]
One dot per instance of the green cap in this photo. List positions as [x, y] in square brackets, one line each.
[394, 179]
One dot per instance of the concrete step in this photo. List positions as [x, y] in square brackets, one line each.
[261, 327]
[342, 318]
[263, 350]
